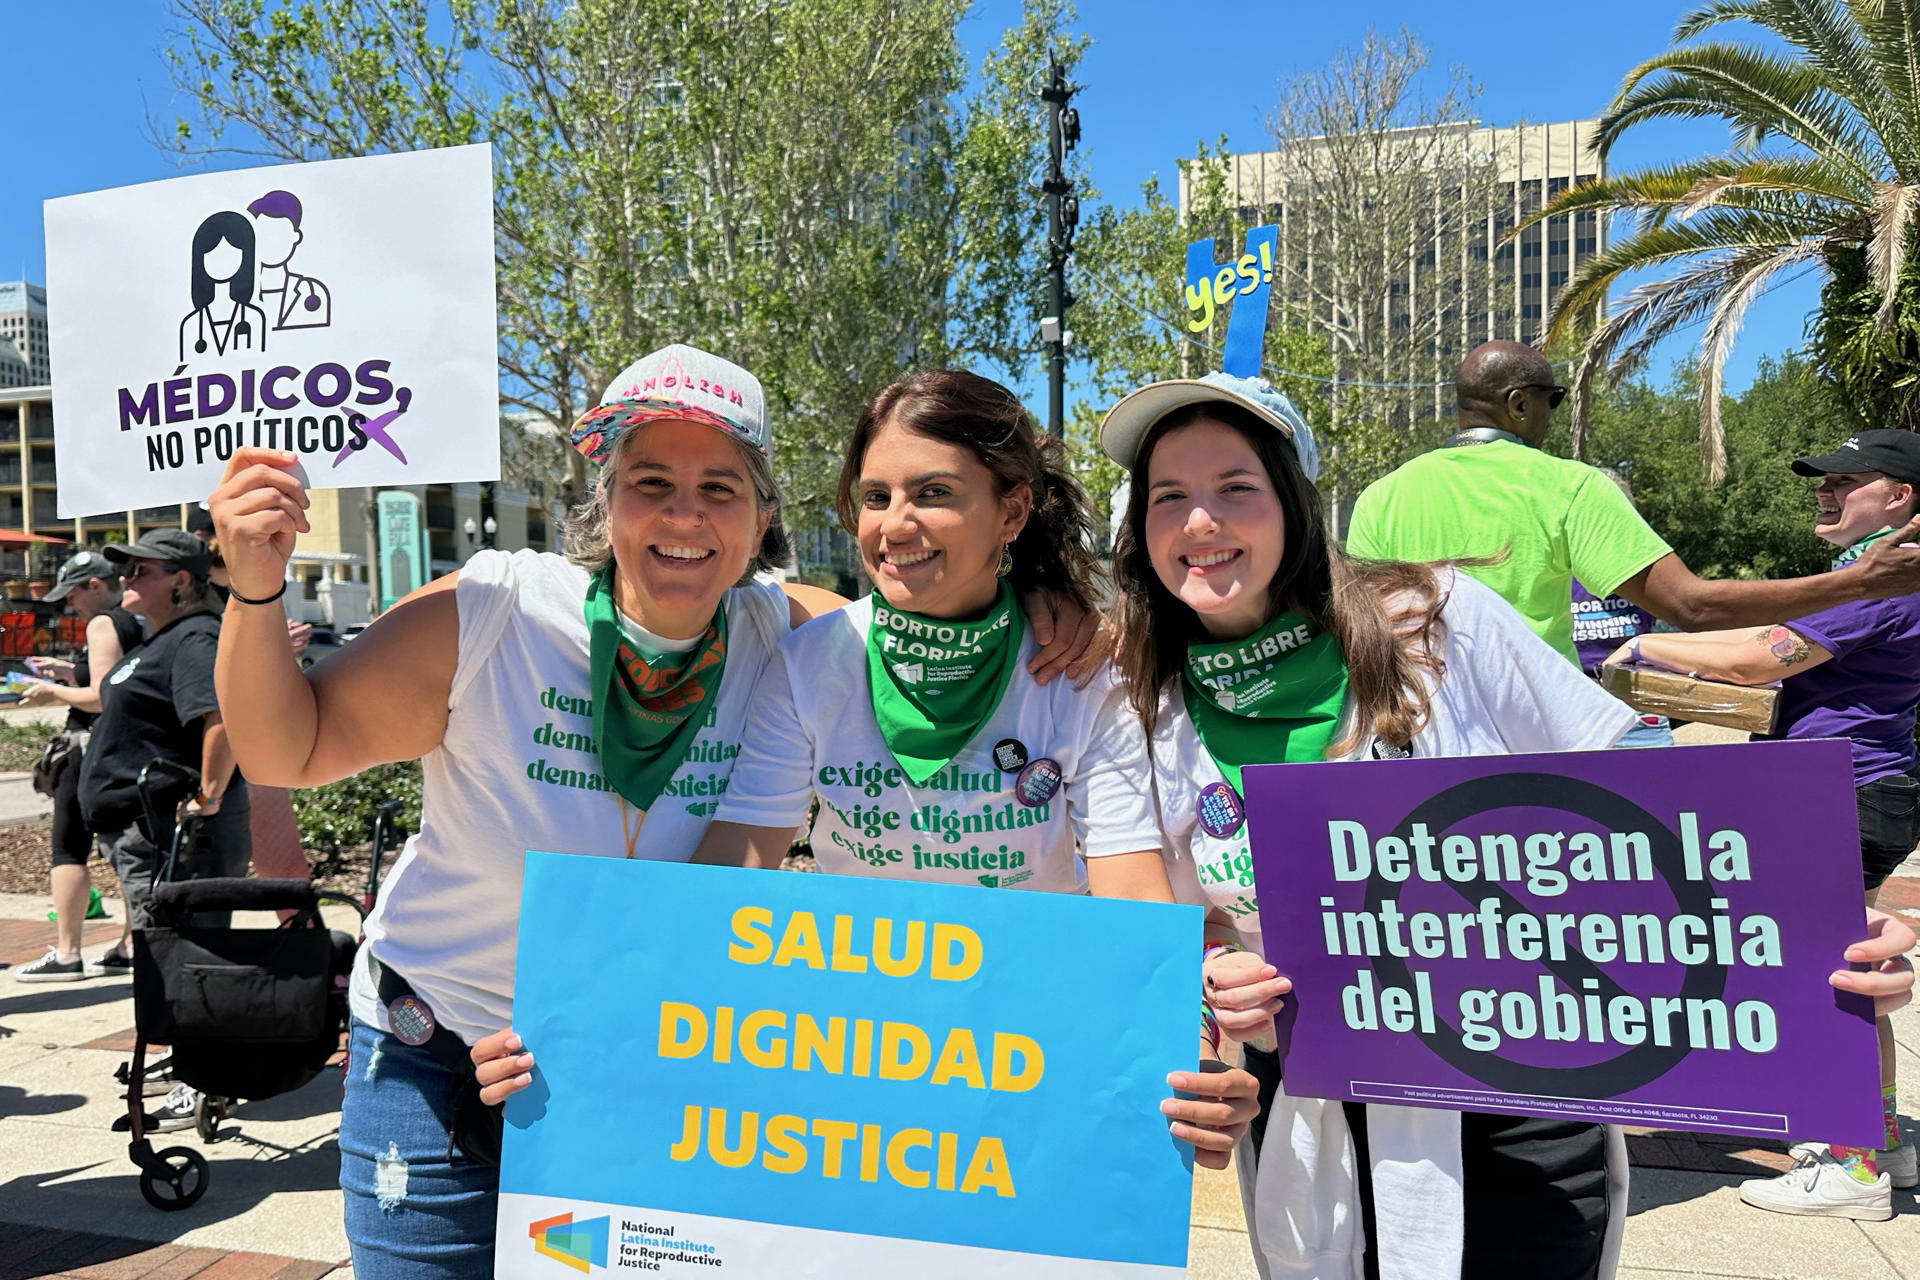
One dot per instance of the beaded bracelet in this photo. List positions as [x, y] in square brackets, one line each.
[1210, 1026]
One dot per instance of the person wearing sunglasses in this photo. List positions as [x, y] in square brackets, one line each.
[1529, 523]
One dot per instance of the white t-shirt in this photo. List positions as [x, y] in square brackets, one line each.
[1505, 691]
[812, 733]
[517, 770]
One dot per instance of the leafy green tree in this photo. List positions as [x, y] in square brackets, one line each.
[1823, 174]
[804, 186]
[1757, 523]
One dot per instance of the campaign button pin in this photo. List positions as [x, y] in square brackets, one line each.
[1010, 754]
[1220, 810]
[1037, 782]
[410, 1020]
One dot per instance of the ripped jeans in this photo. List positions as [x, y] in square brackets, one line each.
[414, 1211]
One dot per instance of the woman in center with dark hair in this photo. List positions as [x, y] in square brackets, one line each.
[910, 717]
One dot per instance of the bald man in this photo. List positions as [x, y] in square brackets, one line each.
[1490, 492]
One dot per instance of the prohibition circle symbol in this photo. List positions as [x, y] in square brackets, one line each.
[1635, 1066]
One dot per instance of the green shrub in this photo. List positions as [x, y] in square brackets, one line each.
[340, 814]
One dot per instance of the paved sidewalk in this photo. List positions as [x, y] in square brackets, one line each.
[70, 1203]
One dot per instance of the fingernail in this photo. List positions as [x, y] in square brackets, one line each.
[1073, 672]
[515, 1044]
[526, 1062]
[525, 1080]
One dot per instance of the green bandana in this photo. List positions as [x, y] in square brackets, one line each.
[936, 681]
[1858, 549]
[1272, 698]
[646, 711]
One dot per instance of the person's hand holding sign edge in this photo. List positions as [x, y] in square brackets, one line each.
[259, 509]
[501, 1066]
[1888, 973]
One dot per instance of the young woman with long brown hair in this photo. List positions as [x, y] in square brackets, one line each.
[910, 717]
[1250, 638]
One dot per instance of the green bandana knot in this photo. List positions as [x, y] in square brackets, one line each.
[1274, 697]
[1858, 549]
[647, 708]
[935, 681]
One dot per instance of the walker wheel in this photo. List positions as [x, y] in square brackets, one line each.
[207, 1115]
[183, 1183]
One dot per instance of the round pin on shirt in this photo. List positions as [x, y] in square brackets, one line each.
[1037, 782]
[410, 1020]
[1010, 754]
[1220, 810]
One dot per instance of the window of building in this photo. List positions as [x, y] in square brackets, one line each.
[1530, 280]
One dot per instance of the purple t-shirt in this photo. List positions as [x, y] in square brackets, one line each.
[1867, 694]
[1602, 625]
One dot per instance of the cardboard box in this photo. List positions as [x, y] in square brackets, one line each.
[1755, 708]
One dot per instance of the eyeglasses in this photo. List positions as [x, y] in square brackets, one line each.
[1555, 394]
[144, 567]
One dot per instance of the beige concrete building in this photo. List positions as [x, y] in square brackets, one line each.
[1530, 164]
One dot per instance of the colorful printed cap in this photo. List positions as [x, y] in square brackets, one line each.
[677, 382]
[1128, 422]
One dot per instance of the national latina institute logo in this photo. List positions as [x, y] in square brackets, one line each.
[580, 1245]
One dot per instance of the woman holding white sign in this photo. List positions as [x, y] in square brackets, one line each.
[592, 704]
[932, 754]
[1251, 639]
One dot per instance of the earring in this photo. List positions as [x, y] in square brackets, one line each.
[1006, 559]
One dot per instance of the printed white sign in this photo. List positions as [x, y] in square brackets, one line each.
[342, 309]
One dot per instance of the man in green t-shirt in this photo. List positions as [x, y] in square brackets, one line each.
[1541, 521]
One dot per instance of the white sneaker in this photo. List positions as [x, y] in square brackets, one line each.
[1817, 1187]
[1901, 1164]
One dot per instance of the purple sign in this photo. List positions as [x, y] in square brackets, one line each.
[1635, 937]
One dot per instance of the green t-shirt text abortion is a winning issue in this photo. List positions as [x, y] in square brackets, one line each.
[1542, 520]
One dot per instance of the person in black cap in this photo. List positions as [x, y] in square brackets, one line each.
[1852, 672]
[158, 702]
[90, 586]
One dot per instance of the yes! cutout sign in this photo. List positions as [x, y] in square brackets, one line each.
[1214, 287]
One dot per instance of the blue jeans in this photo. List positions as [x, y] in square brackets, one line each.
[1648, 735]
[429, 1214]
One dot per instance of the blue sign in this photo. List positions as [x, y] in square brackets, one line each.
[842, 1075]
[1244, 286]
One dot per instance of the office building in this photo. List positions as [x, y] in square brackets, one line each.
[1516, 170]
[23, 335]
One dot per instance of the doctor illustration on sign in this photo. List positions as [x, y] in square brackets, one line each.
[298, 302]
[223, 320]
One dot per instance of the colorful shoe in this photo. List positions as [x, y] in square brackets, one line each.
[1818, 1187]
[51, 968]
[1901, 1164]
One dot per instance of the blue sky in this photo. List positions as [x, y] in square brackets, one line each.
[1158, 78]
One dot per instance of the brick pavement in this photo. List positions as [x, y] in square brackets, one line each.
[33, 1253]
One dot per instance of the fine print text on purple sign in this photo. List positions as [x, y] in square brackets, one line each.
[1637, 937]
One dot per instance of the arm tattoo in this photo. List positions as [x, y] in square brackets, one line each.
[1786, 645]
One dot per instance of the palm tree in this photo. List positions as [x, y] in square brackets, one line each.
[1823, 173]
